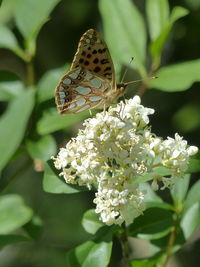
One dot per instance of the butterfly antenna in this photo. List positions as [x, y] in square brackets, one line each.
[136, 81]
[125, 72]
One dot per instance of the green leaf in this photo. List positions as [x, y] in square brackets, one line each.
[186, 119]
[158, 44]
[52, 121]
[13, 125]
[154, 224]
[12, 239]
[34, 227]
[151, 199]
[122, 22]
[43, 149]
[53, 184]
[157, 15]
[30, 15]
[179, 190]
[191, 220]
[48, 82]
[194, 165]
[6, 11]
[8, 41]
[91, 222]
[177, 77]
[92, 253]
[14, 213]
[9, 90]
[193, 195]
[147, 262]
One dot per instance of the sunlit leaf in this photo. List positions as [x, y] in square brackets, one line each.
[30, 15]
[10, 89]
[91, 221]
[14, 213]
[13, 125]
[124, 26]
[9, 41]
[42, 149]
[53, 184]
[48, 82]
[177, 77]
[92, 253]
[6, 11]
[179, 190]
[191, 220]
[158, 44]
[193, 195]
[194, 164]
[157, 15]
[51, 122]
[147, 262]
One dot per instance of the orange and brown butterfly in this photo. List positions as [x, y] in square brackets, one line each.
[90, 83]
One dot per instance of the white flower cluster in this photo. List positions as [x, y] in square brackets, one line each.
[115, 147]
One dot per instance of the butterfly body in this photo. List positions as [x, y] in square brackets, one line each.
[90, 83]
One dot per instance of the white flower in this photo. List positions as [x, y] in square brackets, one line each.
[114, 148]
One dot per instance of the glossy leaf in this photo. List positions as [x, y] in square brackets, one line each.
[92, 253]
[8, 41]
[43, 149]
[179, 190]
[194, 165]
[13, 125]
[147, 262]
[151, 199]
[30, 15]
[14, 213]
[158, 44]
[125, 24]
[51, 122]
[193, 195]
[157, 15]
[53, 184]
[177, 77]
[12, 239]
[6, 11]
[154, 224]
[48, 82]
[10, 89]
[91, 222]
[191, 220]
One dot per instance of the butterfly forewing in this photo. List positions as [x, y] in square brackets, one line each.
[90, 82]
[93, 54]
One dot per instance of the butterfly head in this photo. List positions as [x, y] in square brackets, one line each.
[121, 89]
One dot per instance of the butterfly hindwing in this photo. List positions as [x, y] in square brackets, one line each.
[80, 90]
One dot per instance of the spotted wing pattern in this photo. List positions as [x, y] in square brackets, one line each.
[90, 82]
[93, 55]
[80, 90]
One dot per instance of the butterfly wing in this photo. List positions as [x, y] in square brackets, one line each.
[80, 90]
[93, 55]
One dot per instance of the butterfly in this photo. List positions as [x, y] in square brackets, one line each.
[90, 83]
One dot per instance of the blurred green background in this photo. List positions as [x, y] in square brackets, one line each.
[60, 214]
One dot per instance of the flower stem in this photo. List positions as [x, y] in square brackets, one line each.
[124, 245]
[169, 246]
